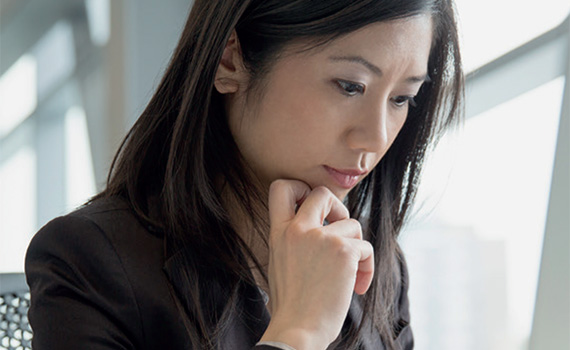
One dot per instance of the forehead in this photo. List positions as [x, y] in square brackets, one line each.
[409, 37]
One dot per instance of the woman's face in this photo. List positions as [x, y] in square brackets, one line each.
[328, 116]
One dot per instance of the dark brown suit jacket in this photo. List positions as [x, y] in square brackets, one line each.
[99, 280]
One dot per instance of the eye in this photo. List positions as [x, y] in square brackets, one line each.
[349, 88]
[401, 101]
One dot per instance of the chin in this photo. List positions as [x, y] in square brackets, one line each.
[341, 194]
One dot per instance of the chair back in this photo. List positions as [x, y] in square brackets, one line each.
[15, 331]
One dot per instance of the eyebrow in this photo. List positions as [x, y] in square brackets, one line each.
[375, 69]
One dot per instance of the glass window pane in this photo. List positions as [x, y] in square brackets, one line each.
[18, 93]
[17, 208]
[474, 246]
[80, 184]
[491, 28]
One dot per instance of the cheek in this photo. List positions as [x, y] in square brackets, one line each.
[297, 115]
[291, 128]
[395, 130]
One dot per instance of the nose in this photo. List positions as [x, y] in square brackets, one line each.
[370, 131]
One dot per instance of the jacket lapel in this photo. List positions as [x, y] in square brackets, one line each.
[247, 321]
[370, 335]
[250, 318]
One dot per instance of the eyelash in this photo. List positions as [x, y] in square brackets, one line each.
[401, 101]
[351, 89]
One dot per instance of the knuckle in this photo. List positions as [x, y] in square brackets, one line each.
[340, 247]
[337, 243]
[277, 185]
[355, 222]
[346, 253]
[295, 228]
[322, 191]
[357, 226]
[368, 247]
[316, 233]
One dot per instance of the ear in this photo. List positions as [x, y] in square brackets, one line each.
[231, 72]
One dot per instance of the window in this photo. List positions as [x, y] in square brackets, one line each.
[474, 245]
[45, 155]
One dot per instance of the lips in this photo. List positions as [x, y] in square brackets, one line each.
[345, 178]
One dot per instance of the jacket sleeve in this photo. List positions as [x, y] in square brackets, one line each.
[80, 295]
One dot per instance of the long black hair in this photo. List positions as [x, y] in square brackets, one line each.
[181, 145]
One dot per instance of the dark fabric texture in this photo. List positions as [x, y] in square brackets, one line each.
[99, 280]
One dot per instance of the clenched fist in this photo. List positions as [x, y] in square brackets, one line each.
[313, 268]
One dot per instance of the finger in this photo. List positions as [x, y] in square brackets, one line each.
[283, 198]
[365, 271]
[322, 204]
[349, 228]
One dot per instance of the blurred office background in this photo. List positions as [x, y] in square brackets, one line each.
[488, 248]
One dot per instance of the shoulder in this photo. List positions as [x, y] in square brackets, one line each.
[77, 280]
[84, 222]
[106, 227]
[102, 242]
[101, 266]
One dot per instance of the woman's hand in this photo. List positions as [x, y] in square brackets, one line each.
[313, 269]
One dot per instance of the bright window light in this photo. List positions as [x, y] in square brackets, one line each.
[477, 237]
[491, 28]
[17, 208]
[99, 19]
[80, 184]
[55, 53]
[18, 93]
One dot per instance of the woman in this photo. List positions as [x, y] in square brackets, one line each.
[266, 181]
